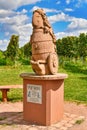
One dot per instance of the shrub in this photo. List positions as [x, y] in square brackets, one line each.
[2, 61]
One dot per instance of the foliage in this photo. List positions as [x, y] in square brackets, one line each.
[2, 61]
[83, 46]
[1, 54]
[12, 49]
[73, 47]
[25, 54]
[27, 50]
[2, 58]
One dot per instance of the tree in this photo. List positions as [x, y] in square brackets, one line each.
[27, 50]
[75, 50]
[1, 54]
[25, 54]
[83, 46]
[2, 58]
[13, 48]
[65, 46]
[59, 47]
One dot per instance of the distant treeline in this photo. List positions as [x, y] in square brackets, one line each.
[70, 47]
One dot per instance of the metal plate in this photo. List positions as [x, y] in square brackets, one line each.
[34, 93]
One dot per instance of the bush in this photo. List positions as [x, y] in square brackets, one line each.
[9, 62]
[2, 61]
[25, 62]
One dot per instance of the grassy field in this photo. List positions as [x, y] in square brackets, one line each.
[11, 76]
[75, 84]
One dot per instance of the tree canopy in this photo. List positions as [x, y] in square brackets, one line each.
[72, 47]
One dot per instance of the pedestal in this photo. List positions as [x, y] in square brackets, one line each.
[43, 98]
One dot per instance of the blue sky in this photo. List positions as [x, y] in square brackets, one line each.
[67, 17]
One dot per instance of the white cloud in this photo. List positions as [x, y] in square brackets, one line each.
[5, 13]
[68, 1]
[60, 35]
[59, 17]
[11, 24]
[3, 44]
[58, 2]
[24, 11]
[77, 24]
[9, 14]
[47, 10]
[14, 4]
[15, 23]
[79, 3]
[17, 19]
[24, 32]
[69, 9]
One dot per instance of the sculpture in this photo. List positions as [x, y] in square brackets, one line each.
[44, 58]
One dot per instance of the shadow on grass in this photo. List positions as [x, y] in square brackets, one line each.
[83, 78]
[75, 68]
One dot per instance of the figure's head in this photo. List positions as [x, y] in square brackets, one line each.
[37, 19]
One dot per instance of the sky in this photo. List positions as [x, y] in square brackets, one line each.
[67, 18]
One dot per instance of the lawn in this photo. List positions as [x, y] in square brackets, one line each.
[11, 76]
[75, 84]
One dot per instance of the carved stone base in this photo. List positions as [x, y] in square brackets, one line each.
[43, 98]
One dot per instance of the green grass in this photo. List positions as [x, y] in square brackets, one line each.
[76, 83]
[79, 121]
[11, 76]
[75, 88]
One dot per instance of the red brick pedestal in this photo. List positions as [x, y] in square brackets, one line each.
[43, 98]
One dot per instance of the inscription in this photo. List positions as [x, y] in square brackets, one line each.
[34, 93]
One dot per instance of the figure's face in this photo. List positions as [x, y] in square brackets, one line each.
[37, 20]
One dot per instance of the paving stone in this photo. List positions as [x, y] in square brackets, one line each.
[58, 125]
[72, 122]
[63, 128]
[6, 128]
[14, 120]
[52, 128]
[68, 125]
[33, 128]
[73, 115]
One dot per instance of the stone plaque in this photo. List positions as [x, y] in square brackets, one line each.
[34, 93]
